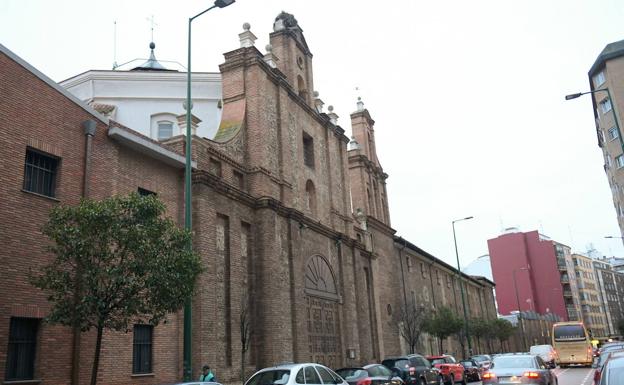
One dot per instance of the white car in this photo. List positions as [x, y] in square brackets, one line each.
[296, 374]
[547, 353]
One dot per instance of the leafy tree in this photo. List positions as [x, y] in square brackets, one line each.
[411, 320]
[620, 325]
[478, 328]
[503, 329]
[127, 262]
[443, 324]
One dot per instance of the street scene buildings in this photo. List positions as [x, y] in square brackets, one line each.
[291, 218]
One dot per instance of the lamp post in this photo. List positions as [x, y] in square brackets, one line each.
[188, 370]
[524, 343]
[461, 286]
[615, 116]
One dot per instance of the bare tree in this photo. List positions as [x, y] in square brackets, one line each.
[411, 322]
[246, 330]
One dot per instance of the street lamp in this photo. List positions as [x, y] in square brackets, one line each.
[615, 116]
[461, 286]
[524, 343]
[188, 370]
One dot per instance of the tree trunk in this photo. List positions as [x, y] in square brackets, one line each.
[96, 359]
[440, 341]
[242, 366]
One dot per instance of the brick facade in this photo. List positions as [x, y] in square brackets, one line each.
[273, 223]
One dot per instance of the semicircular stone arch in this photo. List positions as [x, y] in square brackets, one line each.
[319, 279]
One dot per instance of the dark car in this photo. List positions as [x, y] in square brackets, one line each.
[413, 369]
[519, 368]
[472, 370]
[613, 371]
[374, 374]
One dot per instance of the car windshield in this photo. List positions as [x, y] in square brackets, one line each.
[466, 363]
[398, 363]
[351, 374]
[569, 332]
[437, 361]
[513, 362]
[270, 377]
[480, 358]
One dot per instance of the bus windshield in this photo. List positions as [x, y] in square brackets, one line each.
[569, 333]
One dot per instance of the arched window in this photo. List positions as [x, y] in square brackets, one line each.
[310, 197]
[163, 126]
[319, 278]
[301, 88]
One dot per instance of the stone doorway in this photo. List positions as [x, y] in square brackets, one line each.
[322, 308]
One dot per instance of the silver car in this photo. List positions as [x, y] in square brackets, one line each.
[296, 374]
[524, 369]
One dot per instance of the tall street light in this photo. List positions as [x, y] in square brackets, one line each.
[188, 370]
[461, 286]
[524, 342]
[615, 116]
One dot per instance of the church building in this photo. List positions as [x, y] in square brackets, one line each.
[290, 216]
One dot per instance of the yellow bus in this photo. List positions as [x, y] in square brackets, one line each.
[572, 344]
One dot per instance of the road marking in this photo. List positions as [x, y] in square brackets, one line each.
[591, 371]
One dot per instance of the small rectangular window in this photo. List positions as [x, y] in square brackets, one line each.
[142, 349]
[165, 130]
[239, 179]
[145, 192]
[40, 171]
[605, 105]
[619, 161]
[215, 167]
[308, 150]
[599, 79]
[613, 133]
[20, 364]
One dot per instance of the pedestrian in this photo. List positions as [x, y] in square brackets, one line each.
[207, 375]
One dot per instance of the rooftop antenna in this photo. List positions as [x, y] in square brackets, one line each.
[115, 45]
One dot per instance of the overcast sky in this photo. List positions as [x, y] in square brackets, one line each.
[468, 96]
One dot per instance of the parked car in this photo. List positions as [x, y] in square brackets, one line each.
[599, 364]
[547, 353]
[483, 359]
[472, 370]
[613, 370]
[519, 368]
[292, 374]
[198, 383]
[451, 370]
[413, 369]
[375, 374]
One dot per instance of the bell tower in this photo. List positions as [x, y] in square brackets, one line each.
[367, 178]
[295, 58]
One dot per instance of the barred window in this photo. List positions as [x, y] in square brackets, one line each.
[308, 150]
[20, 364]
[142, 349]
[40, 173]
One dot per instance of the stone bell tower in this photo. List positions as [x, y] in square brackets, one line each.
[295, 58]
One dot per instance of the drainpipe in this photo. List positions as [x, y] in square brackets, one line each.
[89, 127]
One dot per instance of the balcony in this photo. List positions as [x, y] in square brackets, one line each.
[567, 293]
[565, 278]
[561, 264]
[572, 314]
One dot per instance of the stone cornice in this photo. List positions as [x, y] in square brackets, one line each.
[361, 160]
[379, 225]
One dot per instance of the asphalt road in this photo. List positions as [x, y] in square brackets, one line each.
[569, 376]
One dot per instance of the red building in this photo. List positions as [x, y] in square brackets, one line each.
[538, 267]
